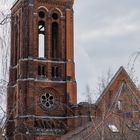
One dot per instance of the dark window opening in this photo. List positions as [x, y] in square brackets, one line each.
[54, 16]
[16, 44]
[15, 76]
[55, 40]
[41, 14]
[19, 49]
[128, 115]
[69, 78]
[41, 39]
[55, 73]
[41, 70]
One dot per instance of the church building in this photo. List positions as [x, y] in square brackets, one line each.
[42, 89]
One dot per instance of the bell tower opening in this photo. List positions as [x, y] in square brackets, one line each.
[41, 39]
[55, 50]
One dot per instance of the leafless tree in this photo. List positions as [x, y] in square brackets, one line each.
[131, 67]
[89, 93]
[104, 80]
[4, 62]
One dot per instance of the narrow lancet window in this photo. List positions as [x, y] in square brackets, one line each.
[16, 45]
[41, 70]
[55, 40]
[41, 39]
[55, 73]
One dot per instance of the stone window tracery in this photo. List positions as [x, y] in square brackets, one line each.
[47, 100]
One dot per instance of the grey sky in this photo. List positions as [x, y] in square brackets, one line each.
[107, 32]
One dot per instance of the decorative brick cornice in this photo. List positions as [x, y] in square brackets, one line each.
[57, 2]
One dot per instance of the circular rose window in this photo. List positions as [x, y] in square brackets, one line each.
[47, 100]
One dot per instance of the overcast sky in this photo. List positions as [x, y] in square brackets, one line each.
[107, 33]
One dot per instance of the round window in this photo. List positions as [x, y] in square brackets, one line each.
[47, 100]
[41, 14]
[54, 16]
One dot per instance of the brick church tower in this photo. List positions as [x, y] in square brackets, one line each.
[42, 82]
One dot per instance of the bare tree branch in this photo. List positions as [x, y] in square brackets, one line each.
[6, 19]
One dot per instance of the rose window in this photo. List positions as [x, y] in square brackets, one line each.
[47, 100]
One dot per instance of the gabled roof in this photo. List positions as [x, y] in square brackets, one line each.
[121, 75]
[90, 129]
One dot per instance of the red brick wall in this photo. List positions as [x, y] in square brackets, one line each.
[28, 86]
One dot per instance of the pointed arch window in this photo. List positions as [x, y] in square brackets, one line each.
[41, 39]
[55, 29]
